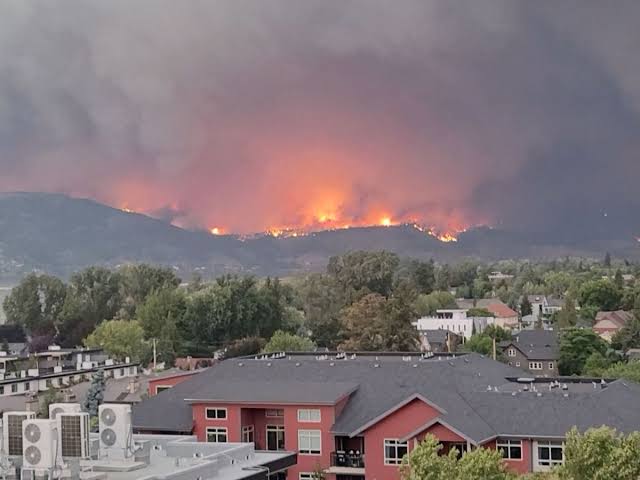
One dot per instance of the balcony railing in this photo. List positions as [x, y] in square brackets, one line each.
[347, 459]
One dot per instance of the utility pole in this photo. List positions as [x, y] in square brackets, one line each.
[494, 347]
[155, 358]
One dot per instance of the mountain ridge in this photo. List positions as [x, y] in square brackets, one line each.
[58, 234]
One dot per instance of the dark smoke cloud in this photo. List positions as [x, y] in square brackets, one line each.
[249, 114]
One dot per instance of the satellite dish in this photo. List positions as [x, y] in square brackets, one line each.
[32, 433]
[33, 455]
[108, 437]
[108, 417]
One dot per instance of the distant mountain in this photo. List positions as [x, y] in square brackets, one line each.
[59, 234]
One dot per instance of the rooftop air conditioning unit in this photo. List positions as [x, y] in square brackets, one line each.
[73, 434]
[116, 432]
[39, 444]
[12, 432]
[56, 409]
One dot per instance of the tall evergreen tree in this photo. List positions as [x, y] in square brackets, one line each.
[95, 395]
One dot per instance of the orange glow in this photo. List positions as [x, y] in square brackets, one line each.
[385, 221]
[216, 231]
[126, 209]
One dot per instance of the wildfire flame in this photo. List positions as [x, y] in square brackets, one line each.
[216, 231]
[385, 221]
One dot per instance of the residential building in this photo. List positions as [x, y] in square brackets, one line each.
[161, 381]
[503, 315]
[607, 324]
[57, 368]
[439, 341]
[533, 350]
[454, 320]
[355, 416]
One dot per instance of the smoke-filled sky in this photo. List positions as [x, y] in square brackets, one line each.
[250, 114]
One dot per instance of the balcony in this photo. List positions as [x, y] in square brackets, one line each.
[346, 463]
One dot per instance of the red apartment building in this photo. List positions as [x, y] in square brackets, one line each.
[355, 417]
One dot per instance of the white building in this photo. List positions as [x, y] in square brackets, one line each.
[454, 320]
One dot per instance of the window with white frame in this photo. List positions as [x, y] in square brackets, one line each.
[216, 413]
[162, 388]
[550, 365]
[535, 365]
[216, 434]
[549, 454]
[394, 450]
[511, 449]
[274, 413]
[511, 352]
[517, 364]
[309, 442]
[311, 415]
[248, 434]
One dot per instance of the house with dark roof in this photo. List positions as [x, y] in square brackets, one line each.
[356, 415]
[533, 350]
[439, 341]
[607, 324]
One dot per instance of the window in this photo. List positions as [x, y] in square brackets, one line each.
[216, 413]
[275, 437]
[550, 454]
[517, 364]
[511, 352]
[26, 386]
[511, 449]
[122, 372]
[394, 450]
[1, 390]
[248, 434]
[216, 434]
[274, 413]
[550, 365]
[535, 365]
[14, 388]
[309, 415]
[162, 388]
[309, 442]
[309, 476]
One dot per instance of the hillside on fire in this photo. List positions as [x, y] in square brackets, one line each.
[59, 234]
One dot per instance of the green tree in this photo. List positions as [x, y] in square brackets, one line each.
[322, 300]
[422, 275]
[607, 260]
[360, 273]
[92, 297]
[618, 280]
[629, 335]
[95, 395]
[427, 305]
[140, 281]
[483, 342]
[567, 317]
[375, 323]
[119, 338]
[160, 317]
[601, 454]
[36, 303]
[287, 342]
[50, 396]
[425, 463]
[525, 306]
[596, 365]
[576, 346]
[600, 294]
[479, 312]
[626, 370]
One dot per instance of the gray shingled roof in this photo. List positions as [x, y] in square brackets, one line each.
[457, 386]
[535, 344]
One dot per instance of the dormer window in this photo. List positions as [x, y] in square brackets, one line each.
[511, 352]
